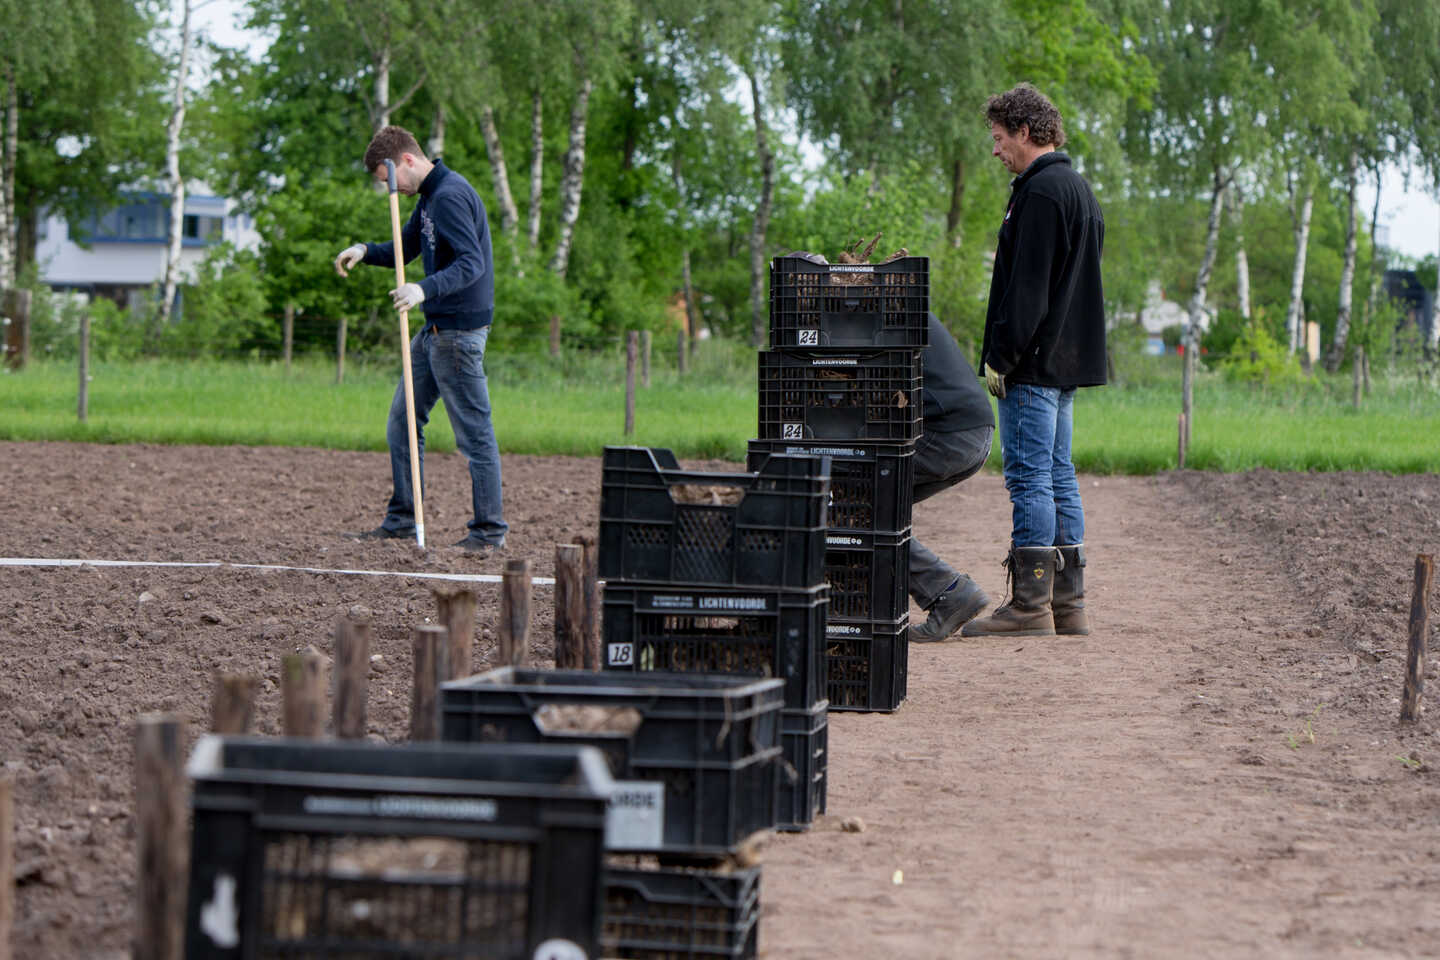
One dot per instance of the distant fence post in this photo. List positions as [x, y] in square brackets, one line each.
[16, 308]
[82, 400]
[340, 351]
[631, 348]
[680, 350]
[288, 334]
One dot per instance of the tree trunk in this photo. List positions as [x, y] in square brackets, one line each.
[759, 318]
[436, 147]
[11, 144]
[509, 215]
[1434, 305]
[1294, 328]
[537, 167]
[1242, 263]
[957, 194]
[172, 171]
[1372, 298]
[1197, 301]
[1347, 269]
[573, 178]
[690, 329]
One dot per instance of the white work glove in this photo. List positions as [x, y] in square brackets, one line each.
[348, 258]
[994, 382]
[408, 297]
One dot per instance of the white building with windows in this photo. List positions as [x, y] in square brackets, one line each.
[121, 253]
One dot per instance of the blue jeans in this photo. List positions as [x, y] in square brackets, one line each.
[1035, 428]
[447, 365]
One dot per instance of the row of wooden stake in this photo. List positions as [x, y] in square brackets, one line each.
[440, 652]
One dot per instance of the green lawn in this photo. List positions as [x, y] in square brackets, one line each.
[576, 407]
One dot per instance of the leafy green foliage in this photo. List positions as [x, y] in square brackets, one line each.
[1256, 356]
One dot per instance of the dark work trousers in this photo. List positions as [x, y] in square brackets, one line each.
[941, 461]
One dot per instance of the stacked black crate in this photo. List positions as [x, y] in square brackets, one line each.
[843, 379]
[724, 573]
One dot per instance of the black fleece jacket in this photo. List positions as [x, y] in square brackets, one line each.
[448, 228]
[1045, 324]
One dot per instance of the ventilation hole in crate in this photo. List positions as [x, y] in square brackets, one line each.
[416, 896]
[760, 541]
[705, 542]
[851, 503]
[587, 718]
[646, 535]
[849, 578]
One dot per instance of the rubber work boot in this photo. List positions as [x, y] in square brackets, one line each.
[1028, 614]
[954, 608]
[1068, 602]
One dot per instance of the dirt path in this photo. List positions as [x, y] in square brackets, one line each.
[1216, 770]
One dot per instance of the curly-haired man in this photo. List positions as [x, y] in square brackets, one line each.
[1044, 337]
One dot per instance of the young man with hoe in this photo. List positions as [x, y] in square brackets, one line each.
[449, 231]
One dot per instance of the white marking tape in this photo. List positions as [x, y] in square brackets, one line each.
[463, 577]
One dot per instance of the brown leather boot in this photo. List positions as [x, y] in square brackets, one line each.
[1028, 614]
[1068, 600]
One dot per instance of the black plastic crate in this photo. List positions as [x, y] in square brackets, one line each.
[813, 395]
[872, 485]
[696, 756]
[802, 785]
[307, 848]
[662, 524]
[837, 305]
[669, 914]
[868, 574]
[868, 662]
[690, 629]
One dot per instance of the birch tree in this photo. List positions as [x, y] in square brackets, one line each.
[172, 169]
[593, 33]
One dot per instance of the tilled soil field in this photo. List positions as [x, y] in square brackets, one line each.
[1217, 770]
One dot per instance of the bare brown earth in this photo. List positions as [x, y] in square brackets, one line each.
[1217, 770]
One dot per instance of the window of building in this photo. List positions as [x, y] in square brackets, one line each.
[203, 228]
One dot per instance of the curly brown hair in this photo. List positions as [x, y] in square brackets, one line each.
[1024, 106]
[388, 144]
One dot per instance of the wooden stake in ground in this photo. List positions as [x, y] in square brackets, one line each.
[570, 640]
[1183, 442]
[456, 613]
[591, 548]
[406, 373]
[340, 351]
[430, 647]
[1419, 628]
[515, 613]
[352, 679]
[232, 705]
[302, 694]
[160, 841]
[7, 865]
